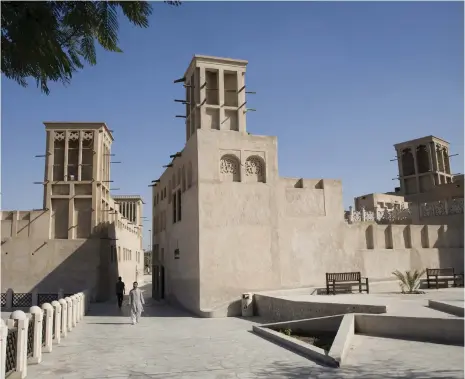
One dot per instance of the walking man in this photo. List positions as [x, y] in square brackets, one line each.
[120, 291]
[136, 302]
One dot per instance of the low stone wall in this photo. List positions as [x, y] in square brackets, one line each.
[25, 336]
[275, 309]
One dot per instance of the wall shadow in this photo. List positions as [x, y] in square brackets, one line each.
[384, 369]
[89, 266]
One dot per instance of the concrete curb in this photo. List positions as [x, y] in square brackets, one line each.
[341, 343]
[307, 350]
[446, 307]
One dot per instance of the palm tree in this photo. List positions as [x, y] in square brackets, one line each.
[410, 280]
[49, 40]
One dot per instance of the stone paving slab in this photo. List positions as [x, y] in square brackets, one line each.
[172, 344]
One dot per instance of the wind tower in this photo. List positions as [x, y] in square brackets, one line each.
[215, 94]
[77, 177]
[423, 164]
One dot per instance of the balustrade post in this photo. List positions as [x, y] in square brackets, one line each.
[363, 214]
[79, 305]
[21, 322]
[73, 318]
[3, 344]
[9, 298]
[64, 317]
[36, 323]
[35, 296]
[48, 319]
[69, 323]
[57, 324]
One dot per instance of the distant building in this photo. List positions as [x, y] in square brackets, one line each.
[427, 189]
[83, 237]
[382, 201]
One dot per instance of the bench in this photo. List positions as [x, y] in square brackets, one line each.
[351, 278]
[436, 275]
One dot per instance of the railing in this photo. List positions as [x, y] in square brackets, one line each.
[403, 215]
[12, 300]
[26, 336]
[11, 346]
[30, 336]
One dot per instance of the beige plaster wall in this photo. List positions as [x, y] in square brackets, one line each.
[181, 275]
[49, 265]
[258, 236]
[31, 259]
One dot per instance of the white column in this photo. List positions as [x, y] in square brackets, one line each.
[73, 319]
[64, 317]
[20, 320]
[69, 322]
[57, 317]
[60, 293]
[37, 315]
[48, 319]
[3, 340]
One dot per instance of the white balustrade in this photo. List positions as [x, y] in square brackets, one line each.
[19, 320]
[3, 344]
[57, 324]
[48, 319]
[36, 319]
[60, 317]
[69, 321]
[64, 317]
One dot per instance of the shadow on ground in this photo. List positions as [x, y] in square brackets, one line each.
[375, 370]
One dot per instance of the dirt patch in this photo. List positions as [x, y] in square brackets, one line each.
[322, 340]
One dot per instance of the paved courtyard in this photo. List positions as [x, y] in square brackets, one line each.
[396, 304]
[172, 344]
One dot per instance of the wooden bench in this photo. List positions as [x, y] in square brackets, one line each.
[351, 278]
[436, 275]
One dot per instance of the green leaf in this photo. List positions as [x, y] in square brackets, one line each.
[49, 40]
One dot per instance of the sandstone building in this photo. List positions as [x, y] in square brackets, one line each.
[225, 222]
[83, 237]
[432, 194]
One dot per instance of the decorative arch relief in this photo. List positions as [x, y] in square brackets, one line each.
[230, 168]
[255, 169]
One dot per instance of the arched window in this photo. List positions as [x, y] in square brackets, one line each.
[255, 169]
[422, 159]
[189, 175]
[408, 165]
[230, 168]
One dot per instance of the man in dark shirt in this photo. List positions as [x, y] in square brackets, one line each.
[120, 290]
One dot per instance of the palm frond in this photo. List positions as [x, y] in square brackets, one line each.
[410, 280]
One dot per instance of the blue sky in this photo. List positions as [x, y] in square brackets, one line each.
[338, 83]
